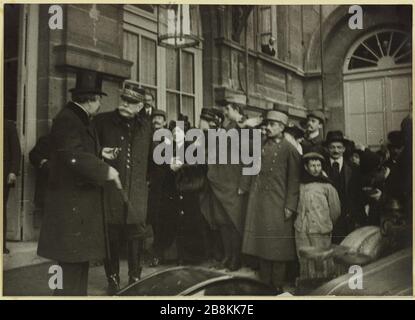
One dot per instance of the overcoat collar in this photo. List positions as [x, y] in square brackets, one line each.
[79, 112]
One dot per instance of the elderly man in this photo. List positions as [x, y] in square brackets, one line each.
[126, 138]
[73, 224]
[273, 197]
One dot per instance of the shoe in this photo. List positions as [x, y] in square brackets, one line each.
[234, 265]
[155, 262]
[113, 284]
[132, 280]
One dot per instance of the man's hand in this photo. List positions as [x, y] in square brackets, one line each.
[110, 153]
[11, 179]
[113, 175]
[288, 213]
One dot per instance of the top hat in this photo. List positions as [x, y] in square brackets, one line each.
[273, 115]
[335, 136]
[159, 112]
[132, 92]
[88, 82]
[313, 156]
[318, 115]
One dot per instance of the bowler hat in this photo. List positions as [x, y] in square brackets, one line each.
[208, 114]
[318, 115]
[88, 82]
[132, 92]
[219, 114]
[273, 115]
[335, 136]
[159, 112]
[313, 156]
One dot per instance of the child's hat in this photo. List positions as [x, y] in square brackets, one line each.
[313, 156]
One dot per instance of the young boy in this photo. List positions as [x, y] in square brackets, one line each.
[318, 209]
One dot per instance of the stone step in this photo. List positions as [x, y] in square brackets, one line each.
[22, 254]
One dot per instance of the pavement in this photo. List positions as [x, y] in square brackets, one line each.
[26, 274]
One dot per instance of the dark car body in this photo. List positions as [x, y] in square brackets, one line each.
[192, 281]
[389, 276]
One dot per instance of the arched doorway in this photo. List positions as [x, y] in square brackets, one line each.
[377, 77]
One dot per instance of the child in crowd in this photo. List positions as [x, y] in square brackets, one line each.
[318, 209]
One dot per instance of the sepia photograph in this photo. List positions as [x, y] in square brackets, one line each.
[195, 150]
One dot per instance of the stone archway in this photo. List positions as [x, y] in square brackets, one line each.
[337, 40]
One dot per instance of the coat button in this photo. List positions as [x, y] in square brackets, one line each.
[74, 209]
[181, 197]
[122, 137]
[73, 161]
[128, 167]
[182, 212]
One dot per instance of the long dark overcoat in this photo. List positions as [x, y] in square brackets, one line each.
[268, 234]
[134, 139]
[73, 225]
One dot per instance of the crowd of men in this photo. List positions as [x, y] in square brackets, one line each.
[104, 189]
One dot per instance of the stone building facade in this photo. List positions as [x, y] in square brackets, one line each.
[358, 77]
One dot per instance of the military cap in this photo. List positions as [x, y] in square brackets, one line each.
[132, 92]
[318, 115]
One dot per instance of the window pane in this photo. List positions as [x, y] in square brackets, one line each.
[172, 67]
[188, 108]
[130, 52]
[173, 106]
[148, 61]
[187, 72]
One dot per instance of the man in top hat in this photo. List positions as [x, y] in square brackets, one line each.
[126, 140]
[273, 197]
[347, 181]
[313, 139]
[72, 231]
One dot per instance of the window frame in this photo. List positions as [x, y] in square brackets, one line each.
[142, 23]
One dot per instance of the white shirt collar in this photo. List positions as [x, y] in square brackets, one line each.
[339, 161]
[313, 135]
[80, 106]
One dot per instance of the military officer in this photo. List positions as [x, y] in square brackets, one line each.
[126, 137]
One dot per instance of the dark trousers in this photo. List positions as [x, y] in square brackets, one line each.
[119, 234]
[5, 197]
[75, 279]
[273, 272]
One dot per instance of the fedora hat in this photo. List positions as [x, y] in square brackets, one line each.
[318, 115]
[335, 136]
[273, 115]
[88, 82]
[132, 92]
